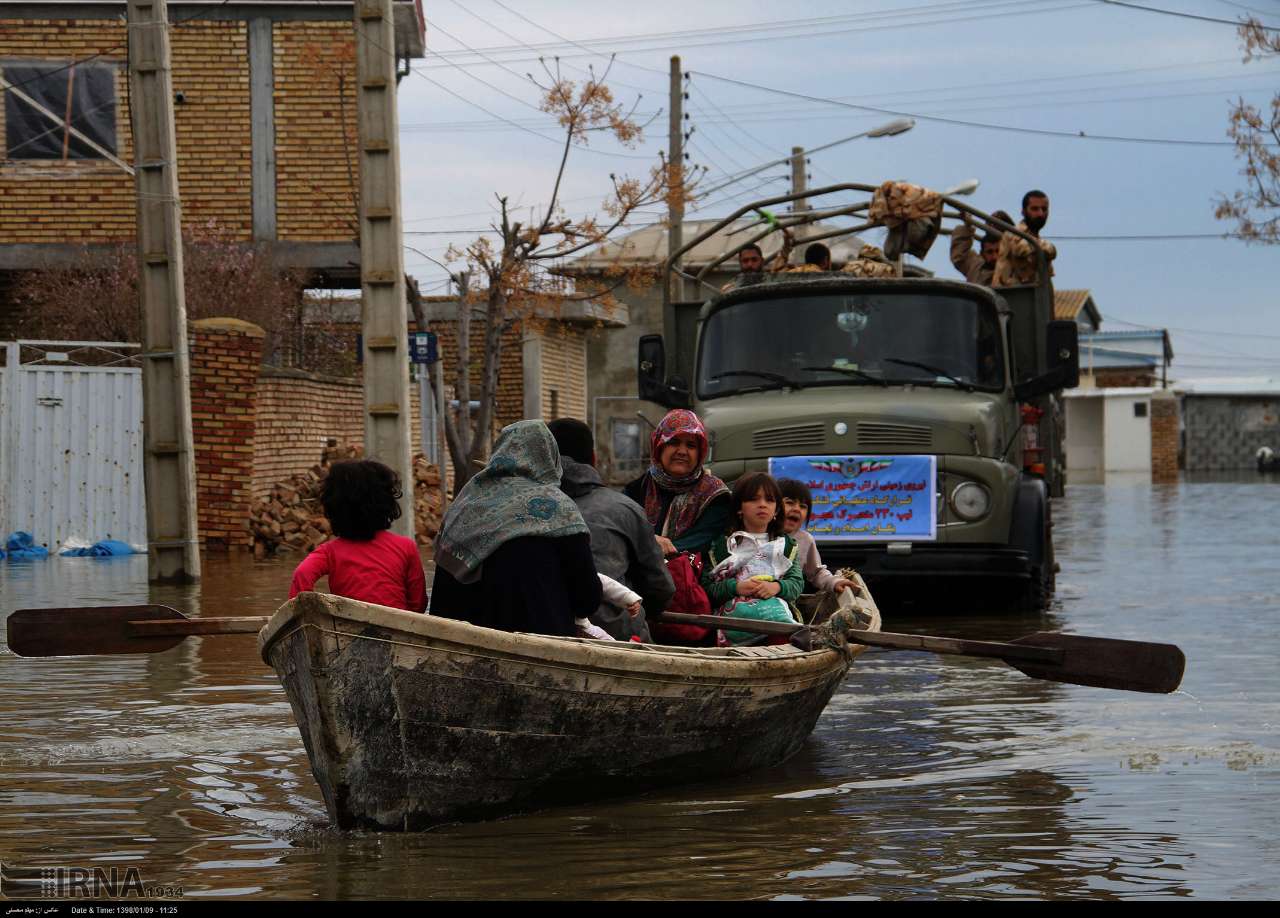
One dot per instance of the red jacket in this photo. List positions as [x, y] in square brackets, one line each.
[385, 570]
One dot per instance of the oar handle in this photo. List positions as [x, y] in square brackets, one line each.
[1030, 654]
[184, 627]
[995, 649]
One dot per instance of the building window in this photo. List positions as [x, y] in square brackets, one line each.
[83, 96]
[1139, 409]
[555, 403]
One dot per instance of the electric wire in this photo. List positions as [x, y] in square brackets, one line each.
[1007, 128]
[1151, 9]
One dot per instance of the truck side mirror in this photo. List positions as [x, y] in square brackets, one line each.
[1062, 352]
[1062, 356]
[651, 375]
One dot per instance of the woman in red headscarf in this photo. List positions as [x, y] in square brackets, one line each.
[687, 506]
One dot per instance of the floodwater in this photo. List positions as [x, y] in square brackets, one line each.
[926, 777]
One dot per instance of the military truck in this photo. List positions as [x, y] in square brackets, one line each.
[842, 380]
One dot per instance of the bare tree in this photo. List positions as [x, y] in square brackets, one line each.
[511, 277]
[97, 298]
[1256, 132]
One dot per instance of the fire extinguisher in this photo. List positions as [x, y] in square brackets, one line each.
[1032, 452]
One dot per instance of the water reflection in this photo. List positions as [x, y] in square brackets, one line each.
[927, 776]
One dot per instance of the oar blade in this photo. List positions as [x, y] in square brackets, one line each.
[1135, 666]
[88, 631]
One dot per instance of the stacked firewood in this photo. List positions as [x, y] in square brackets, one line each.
[290, 519]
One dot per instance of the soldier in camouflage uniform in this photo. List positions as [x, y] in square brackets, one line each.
[977, 267]
[871, 262]
[817, 258]
[1016, 262]
[751, 261]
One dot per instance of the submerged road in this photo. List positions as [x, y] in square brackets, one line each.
[926, 777]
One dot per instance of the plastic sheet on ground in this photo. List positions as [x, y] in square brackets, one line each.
[23, 545]
[105, 549]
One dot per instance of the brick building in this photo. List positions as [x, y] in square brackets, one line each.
[265, 112]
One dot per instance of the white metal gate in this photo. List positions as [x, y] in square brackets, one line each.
[71, 442]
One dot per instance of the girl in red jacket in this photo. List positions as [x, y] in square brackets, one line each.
[364, 561]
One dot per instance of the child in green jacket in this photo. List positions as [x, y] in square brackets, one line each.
[753, 571]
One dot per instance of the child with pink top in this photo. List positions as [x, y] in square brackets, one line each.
[364, 560]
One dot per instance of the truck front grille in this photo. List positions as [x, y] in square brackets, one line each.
[789, 439]
[877, 437]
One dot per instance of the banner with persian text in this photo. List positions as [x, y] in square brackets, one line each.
[886, 498]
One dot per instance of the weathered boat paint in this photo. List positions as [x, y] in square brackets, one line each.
[414, 720]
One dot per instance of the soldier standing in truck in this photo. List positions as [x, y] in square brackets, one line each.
[1016, 263]
[977, 267]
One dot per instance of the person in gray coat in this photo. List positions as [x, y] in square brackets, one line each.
[622, 540]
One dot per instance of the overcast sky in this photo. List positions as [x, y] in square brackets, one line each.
[1049, 65]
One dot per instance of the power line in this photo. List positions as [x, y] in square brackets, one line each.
[525, 44]
[1193, 331]
[1149, 238]
[1081, 135]
[570, 41]
[774, 30]
[521, 127]
[1151, 9]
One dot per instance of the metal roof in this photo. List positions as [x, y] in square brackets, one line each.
[1067, 305]
[1152, 343]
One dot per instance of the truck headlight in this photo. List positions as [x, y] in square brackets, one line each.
[971, 501]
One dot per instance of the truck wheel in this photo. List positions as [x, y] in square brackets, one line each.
[1032, 532]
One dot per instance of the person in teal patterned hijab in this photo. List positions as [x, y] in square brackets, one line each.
[517, 494]
[514, 553]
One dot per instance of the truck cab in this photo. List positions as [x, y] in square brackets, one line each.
[902, 403]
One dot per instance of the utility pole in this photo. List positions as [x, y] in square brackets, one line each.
[385, 315]
[675, 153]
[173, 546]
[798, 183]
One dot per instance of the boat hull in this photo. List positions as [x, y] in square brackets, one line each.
[414, 720]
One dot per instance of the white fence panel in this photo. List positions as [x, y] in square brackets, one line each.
[73, 460]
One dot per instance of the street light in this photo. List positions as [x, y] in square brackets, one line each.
[899, 126]
[893, 128]
[966, 187]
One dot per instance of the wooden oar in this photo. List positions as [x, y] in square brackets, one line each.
[1103, 662]
[113, 629]
[1136, 666]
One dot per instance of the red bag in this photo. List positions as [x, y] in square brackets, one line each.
[690, 598]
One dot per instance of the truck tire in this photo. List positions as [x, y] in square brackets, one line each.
[1032, 532]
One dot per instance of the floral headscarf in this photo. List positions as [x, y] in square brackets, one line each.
[517, 494]
[693, 491]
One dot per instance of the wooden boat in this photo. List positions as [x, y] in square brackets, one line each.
[414, 720]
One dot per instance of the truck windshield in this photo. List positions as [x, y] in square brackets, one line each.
[863, 339]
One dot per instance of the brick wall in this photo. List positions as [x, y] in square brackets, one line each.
[213, 126]
[225, 357]
[317, 161]
[564, 373]
[92, 201]
[1164, 437]
[254, 426]
[297, 412]
[1126, 379]
[80, 201]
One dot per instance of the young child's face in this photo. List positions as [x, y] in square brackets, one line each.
[758, 512]
[797, 514]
